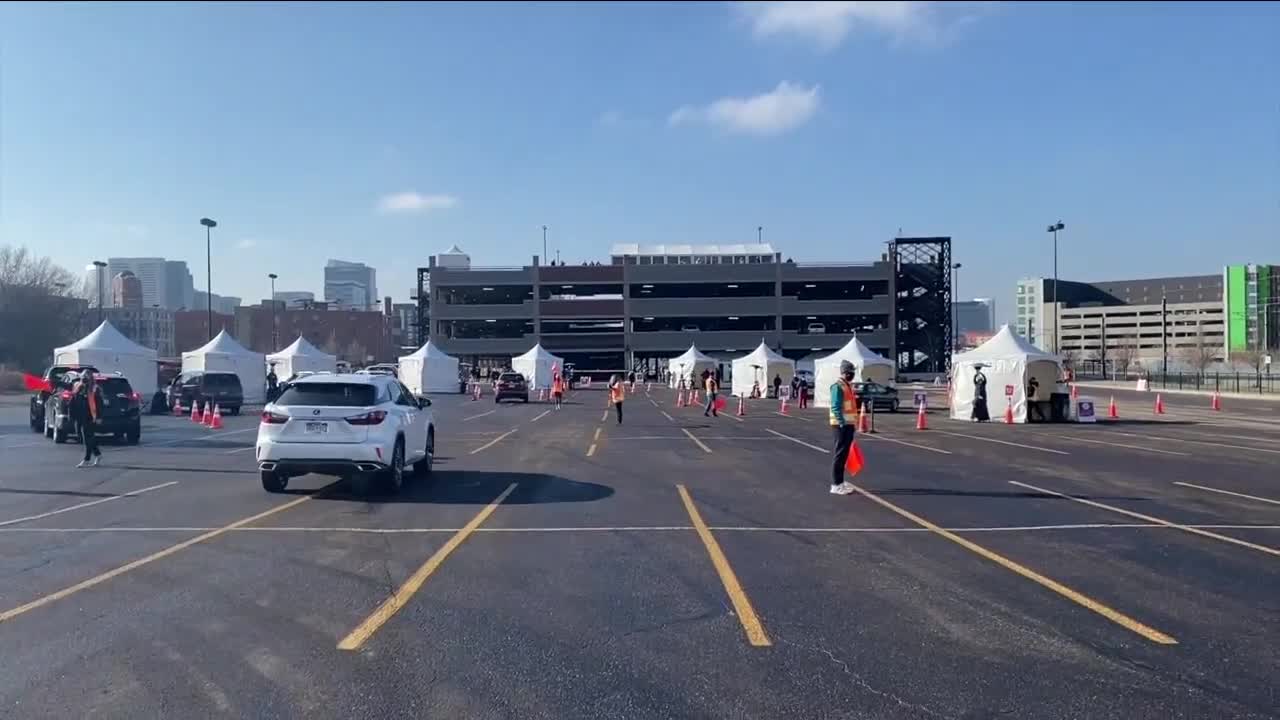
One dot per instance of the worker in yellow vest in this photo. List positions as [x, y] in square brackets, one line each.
[616, 395]
[844, 424]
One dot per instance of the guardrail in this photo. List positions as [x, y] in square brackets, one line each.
[1232, 382]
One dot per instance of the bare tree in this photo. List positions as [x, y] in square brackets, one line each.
[38, 308]
[1068, 356]
[1253, 358]
[1200, 354]
[1122, 357]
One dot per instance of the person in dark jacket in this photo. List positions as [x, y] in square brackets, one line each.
[86, 411]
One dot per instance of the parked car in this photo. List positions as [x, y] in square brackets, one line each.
[363, 428]
[199, 386]
[120, 415]
[511, 386]
[52, 376]
[882, 397]
[383, 369]
[817, 328]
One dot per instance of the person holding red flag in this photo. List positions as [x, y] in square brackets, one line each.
[844, 425]
[557, 390]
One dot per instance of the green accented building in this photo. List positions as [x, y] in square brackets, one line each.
[1251, 301]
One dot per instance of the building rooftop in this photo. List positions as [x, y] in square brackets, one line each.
[685, 249]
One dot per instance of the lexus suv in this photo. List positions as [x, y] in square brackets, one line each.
[363, 428]
[119, 416]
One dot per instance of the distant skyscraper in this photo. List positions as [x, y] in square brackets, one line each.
[350, 285]
[150, 271]
[126, 291]
[294, 298]
[91, 275]
[975, 316]
[224, 304]
[179, 286]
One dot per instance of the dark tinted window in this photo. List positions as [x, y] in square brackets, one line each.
[115, 386]
[511, 377]
[225, 381]
[333, 394]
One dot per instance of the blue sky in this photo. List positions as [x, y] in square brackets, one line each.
[384, 133]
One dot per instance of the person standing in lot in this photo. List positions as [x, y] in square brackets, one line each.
[616, 395]
[86, 407]
[712, 389]
[557, 390]
[777, 386]
[843, 419]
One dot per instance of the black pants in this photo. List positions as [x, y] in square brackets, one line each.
[89, 440]
[618, 406]
[843, 435]
[1034, 411]
[711, 405]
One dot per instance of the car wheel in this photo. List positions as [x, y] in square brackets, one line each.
[393, 477]
[422, 468]
[48, 429]
[893, 406]
[36, 425]
[273, 482]
[134, 435]
[235, 410]
[59, 435]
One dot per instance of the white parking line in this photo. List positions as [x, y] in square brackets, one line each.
[1228, 492]
[539, 417]
[795, 440]
[1197, 442]
[904, 442]
[232, 451]
[1002, 442]
[1069, 438]
[664, 414]
[494, 441]
[473, 417]
[696, 441]
[87, 504]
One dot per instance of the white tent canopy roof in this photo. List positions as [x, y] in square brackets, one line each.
[224, 354]
[858, 354]
[691, 356]
[300, 348]
[428, 351]
[107, 349]
[537, 352]
[765, 355]
[1003, 345]
[106, 337]
[221, 343]
[429, 370]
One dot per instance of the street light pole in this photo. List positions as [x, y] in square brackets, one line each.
[955, 304]
[209, 225]
[275, 343]
[760, 234]
[99, 264]
[1054, 228]
[544, 244]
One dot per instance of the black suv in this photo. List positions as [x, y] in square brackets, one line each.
[52, 376]
[199, 386]
[881, 397]
[511, 386]
[119, 416]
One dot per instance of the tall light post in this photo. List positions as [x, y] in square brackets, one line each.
[1054, 228]
[100, 265]
[275, 343]
[209, 225]
[760, 234]
[544, 244]
[955, 303]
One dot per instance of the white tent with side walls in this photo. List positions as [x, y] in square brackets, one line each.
[868, 365]
[430, 370]
[536, 367]
[692, 362]
[761, 365]
[1009, 362]
[299, 357]
[107, 349]
[224, 354]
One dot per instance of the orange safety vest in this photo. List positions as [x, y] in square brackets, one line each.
[557, 386]
[848, 404]
[615, 392]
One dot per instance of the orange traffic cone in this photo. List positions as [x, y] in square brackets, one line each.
[693, 397]
[1113, 412]
[921, 422]
[863, 425]
[1075, 391]
[742, 405]
[216, 423]
[195, 411]
[1217, 402]
[177, 407]
[207, 420]
[783, 409]
[1008, 412]
[1159, 409]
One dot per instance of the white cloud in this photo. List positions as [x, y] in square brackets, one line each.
[828, 23]
[415, 202]
[246, 243]
[784, 108]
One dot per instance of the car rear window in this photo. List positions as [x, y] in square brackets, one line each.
[329, 394]
[511, 377]
[118, 387]
[221, 380]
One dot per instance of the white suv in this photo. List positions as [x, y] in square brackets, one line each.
[359, 427]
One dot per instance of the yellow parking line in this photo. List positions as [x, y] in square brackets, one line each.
[696, 441]
[1224, 492]
[99, 579]
[741, 605]
[493, 442]
[392, 605]
[1113, 615]
[1156, 520]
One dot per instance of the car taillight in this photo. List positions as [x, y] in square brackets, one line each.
[371, 418]
[65, 395]
[135, 399]
[270, 418]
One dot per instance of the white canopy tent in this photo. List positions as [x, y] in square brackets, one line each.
[535, 366]
[107, 349]
[868, 365]
[301, 356]
[761, 365]
[430, 370]
[224, 354]
[692, 362]
[1009, 362]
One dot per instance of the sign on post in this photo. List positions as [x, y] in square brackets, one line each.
[921, 398]
[1008, 391]
[1085, 411]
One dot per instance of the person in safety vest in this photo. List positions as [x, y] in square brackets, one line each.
[844, 424]
[616, 395]
[557, 390]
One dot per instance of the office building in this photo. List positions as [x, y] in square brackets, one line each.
[126, 291]
[179, 291]
[295, 298]
[149, 327]
[152, 274]
[97, 286]
[975, 316]
[357, 336]
[649, 303]
[224, 304]
[350, 285]
[1251, 301]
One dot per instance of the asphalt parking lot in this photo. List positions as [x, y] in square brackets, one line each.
[558, 565]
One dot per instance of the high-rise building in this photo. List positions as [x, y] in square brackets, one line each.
[126, 291]
[179, 286]
[295, 298]
[975, 316]
[150, 271]
[96, 279]
[350, 285]
[224, 304]
[1251, 298]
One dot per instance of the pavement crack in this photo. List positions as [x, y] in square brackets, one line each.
[861, 682]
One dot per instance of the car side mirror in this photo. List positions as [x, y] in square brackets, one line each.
[424, 403]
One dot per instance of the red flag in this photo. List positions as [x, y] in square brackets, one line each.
[36, 384]
[720, 403]
[853, 464]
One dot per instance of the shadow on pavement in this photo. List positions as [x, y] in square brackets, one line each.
[1023, 494]
[108, 465]
[454, 487]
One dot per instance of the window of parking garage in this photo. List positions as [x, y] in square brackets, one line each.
[484, 294]
[753, 323]
[836, 289]
[484, 329]
[580, 291]
[701, 290]
[582, 326]
[835, 324]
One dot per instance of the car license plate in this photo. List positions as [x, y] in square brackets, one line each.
[317, 427]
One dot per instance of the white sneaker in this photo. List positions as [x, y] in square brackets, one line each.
[83, 463]
[844, 488]
[98, 458]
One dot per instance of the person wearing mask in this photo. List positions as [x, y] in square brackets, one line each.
[712, 388]
[802, 387]
[1033, 401]
[616, 395]
[273, 384]
[86, 410]
[980, 412]
[843, 419]
[557, 390]
[795, 388]
[777, 386]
